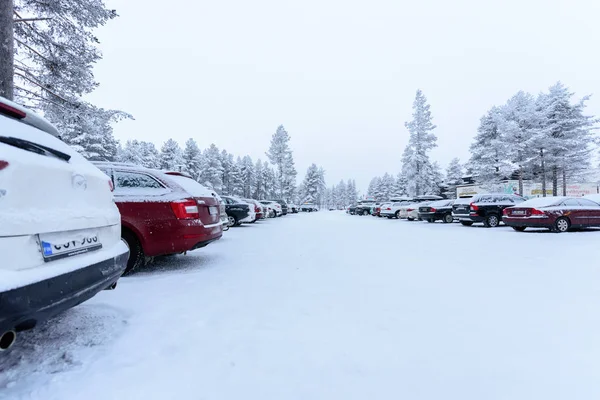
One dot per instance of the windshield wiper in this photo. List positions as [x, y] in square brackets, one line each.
[34, 148]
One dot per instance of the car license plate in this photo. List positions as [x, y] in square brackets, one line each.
[213, 210]
[518, 212]
[55, 247]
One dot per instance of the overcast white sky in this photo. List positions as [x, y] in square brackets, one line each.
[340, 75]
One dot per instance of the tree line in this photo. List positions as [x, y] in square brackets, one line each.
[546, 138]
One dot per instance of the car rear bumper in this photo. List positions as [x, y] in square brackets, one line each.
[527, 222]
[24, 307]
[468, 218]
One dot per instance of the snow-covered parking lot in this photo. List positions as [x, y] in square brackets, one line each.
[331, 306]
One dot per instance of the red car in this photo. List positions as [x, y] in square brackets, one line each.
[162, 212]
[559, 214]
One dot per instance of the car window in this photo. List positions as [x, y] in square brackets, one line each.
[587, 203]
[134, 180]
[570, 203]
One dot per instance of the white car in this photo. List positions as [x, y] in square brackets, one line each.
[392, 210]
[410, 211]
[274, 209]
[60, 235]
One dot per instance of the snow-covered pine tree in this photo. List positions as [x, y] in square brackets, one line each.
[258, 189]
[352, 192]
[212, 169]
[237, 184]
[192, 158]
[131, 153]
[564, 134]
[342, 192]
[226, 173]
[54, 51]
[280, 156]
[170, 156]
[312, 184]
[248, 176]
[322, 185]
[150, 155]
[386, 187]
[373, 188]
[490, 155]
[415, 160]
[269, 180]
[454, 174]
[400, 186]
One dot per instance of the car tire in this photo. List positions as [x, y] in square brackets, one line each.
[519, 228]
[466, 223]
[430, 220]
[231, 219]
[397, 214]
[389, 217]
[448, 219]
[365, 212]
[137, 259]
[491, 221]
[561, 225]
[410, 219]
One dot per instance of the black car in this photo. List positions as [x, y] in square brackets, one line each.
[236, 210]
[352, 210]
[308, 207]
[364, 208]
[284, 206]
[436, 211]
[484, 208]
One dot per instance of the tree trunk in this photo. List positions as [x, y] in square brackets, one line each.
[543, 173]
[555, 181]
[564, 181]
[521, 180]
[6, 49]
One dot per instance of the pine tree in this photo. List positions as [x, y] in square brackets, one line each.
[400, 186]
[373, 189]
[237, 185]
[51, 66]
[192, 158]
[170, 156]
[227, 166]
[131, 153]
[150, 155]
[490, 155]
[415, 160]
[270, 182]
[454, 174]
[352, 192]
[312, 184]
[342, 192]
[248, 176]
[212, 169]
[258, 190]
[280, 156]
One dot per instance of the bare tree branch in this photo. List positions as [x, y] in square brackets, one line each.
[41, 86]
[30, 19]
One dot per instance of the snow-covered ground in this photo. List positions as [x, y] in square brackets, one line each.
[332, 306]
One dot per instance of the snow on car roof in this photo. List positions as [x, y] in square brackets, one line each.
[542, 201]
[190, 185]
[441, 203]
[593, 197]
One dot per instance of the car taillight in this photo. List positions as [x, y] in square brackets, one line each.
[505, 211]
[474, 207]
[185, 209]
[535, 211]
[409, 209]
[11, 111]
[3, 164]
[257, 210]
[432, 209]
[388, 209]
[111, 185]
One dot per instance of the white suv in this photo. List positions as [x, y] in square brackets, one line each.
[60, 231]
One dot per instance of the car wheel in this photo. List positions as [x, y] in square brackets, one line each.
[448, 218]
[137, 259]
[519, 228]
[562, 224]
[466, 223]
[410, 219]
[492, 221]
[365, 212]
[389, 217]
[231, 220]
[397, 214]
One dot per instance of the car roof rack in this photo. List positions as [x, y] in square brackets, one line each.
[20, 113]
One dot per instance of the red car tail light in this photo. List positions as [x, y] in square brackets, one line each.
[535, 211]
[185, 209]
[432, 209]
[505, 211]
[3, 164]
[474, 207]
[409, 209]
[11, 111]
[111, 185]
[388, 209]
[257, 210]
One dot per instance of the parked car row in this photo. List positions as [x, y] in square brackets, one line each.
[71, 228]
[558, 214]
